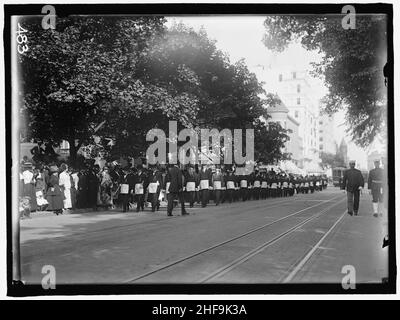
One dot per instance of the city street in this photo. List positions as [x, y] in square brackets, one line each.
[300, 239]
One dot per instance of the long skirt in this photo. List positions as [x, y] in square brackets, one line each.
[55, 199]
[29, 191]
[67, 198]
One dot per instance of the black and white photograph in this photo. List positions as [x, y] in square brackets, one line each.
[190, 148]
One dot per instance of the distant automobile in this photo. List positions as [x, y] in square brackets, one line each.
[337, 175]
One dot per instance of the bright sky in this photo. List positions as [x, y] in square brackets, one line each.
[240, 37]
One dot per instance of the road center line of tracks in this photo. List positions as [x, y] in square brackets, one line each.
[224, 242]
[311, 252]
[225, 269]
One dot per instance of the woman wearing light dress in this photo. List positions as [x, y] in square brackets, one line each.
[65, 184]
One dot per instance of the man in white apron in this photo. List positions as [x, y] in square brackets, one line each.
[264, 186]
[154, 187]
[140, 186]
[204, 185]
[230, 186]
[191, 184]
[256, 185]
[244, 185]
[217, 183]
[126, 187]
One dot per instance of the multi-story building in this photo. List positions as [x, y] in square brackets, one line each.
[342, 150]
[326, 131]
[295, 91]
[280, 114]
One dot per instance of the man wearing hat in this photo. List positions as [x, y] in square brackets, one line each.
[353, 182]
[174, 188]
[192, 182]
[375, 178]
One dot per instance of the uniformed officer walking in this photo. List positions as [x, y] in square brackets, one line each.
[375, 185]
[353, 182]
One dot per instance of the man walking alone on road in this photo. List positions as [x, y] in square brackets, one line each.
[353, 182]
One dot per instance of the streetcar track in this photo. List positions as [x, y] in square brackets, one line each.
[310, 253]
[178, 261]
[247, 256]
[95, 237]
[86, 233]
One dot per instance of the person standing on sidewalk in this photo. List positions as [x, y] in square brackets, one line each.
[353, 182]
[375, 185]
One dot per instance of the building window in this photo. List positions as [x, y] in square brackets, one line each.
[321, 122]
[298, 100]
[296, 114]
[298, 88]
[321, 139]
[294, 75]
[280, 78]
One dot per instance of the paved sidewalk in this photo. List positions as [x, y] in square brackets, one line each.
[355, 242]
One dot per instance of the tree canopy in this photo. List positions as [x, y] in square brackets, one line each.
[352, 64]
[132, 74]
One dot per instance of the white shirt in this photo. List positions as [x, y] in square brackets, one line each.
[76, 179]
[27, 176]
[65, 180]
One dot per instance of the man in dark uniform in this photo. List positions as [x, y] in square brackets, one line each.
[375, 185]
[204, 185]
[230, 180]
[353, 182]
[175, 183]
[127, 186]
[244, 185]
[191, 183]
[217, 180]
[154, 187]
[140, 186]
[256, 185]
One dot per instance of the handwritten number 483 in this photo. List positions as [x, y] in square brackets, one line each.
[21, 39]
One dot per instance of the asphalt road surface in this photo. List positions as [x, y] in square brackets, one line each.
[299, 239]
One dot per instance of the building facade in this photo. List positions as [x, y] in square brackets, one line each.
[295, 92]
[326, 131]
[280, 114]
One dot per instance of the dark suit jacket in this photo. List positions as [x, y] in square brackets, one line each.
[352, 179]
[175, 179]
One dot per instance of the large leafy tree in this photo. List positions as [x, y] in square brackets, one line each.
[228, 95]
[352, 64]
[87, 70]
[331, 160]
[131, 75]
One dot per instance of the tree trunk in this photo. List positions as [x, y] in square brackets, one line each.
[72, 152]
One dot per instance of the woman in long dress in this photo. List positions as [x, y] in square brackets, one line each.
[65, 184]
[105, 189]
[28, 189]
[54, 195]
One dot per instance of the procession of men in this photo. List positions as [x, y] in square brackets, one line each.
[136, 187]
